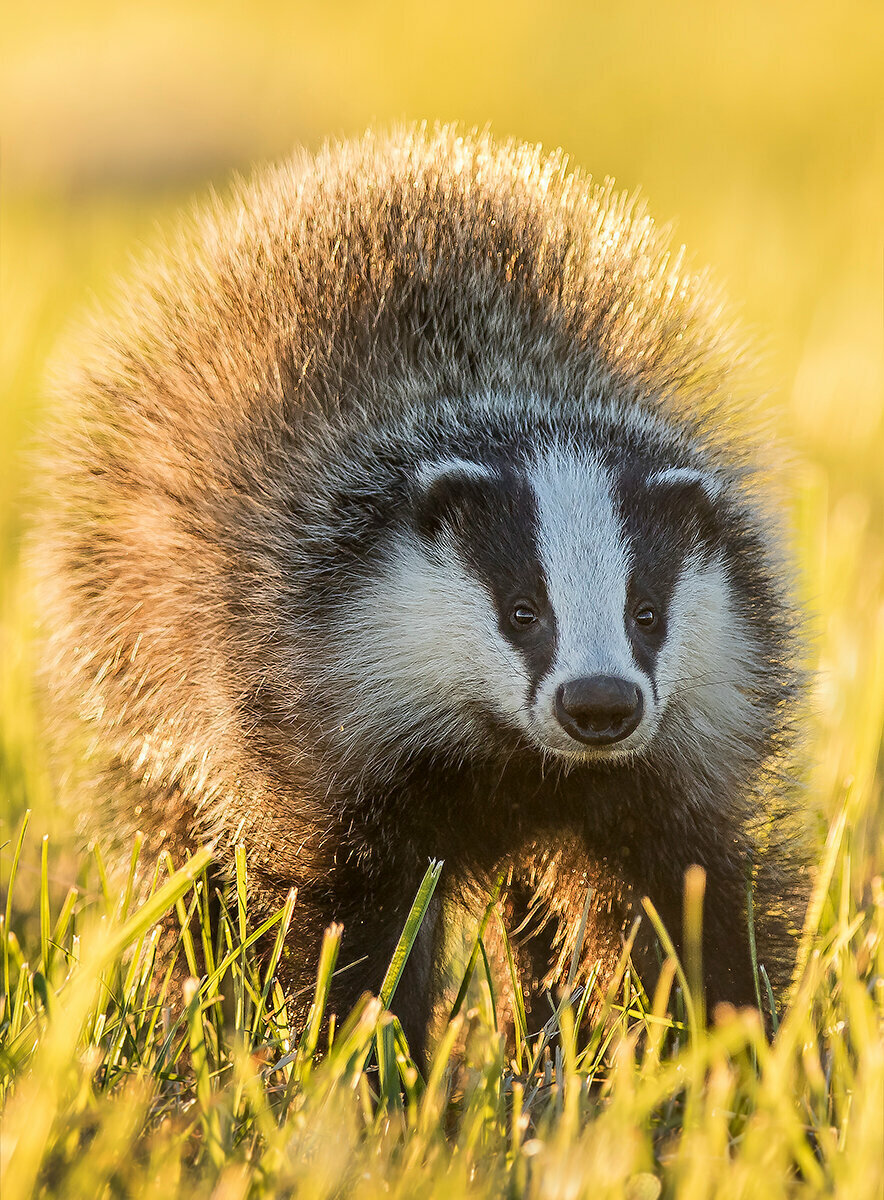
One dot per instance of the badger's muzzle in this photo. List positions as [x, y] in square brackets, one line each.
[599, 710]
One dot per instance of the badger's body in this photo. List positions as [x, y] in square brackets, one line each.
[406, 513]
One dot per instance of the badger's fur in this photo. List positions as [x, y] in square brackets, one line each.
[410, 510]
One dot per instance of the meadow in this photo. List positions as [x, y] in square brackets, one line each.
[759, 133]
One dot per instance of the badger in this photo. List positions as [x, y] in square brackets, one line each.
[411, 506]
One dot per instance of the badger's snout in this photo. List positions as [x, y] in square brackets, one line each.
[599, 710]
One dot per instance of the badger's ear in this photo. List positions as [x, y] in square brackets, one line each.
[693, 498]
[445, 489]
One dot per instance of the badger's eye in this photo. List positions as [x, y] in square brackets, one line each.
[645, 617]
[523, 614]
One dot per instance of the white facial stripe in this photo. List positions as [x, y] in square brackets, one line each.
[673, 476]
[427, 473]
[702, 673]
[586, 564]
[430, 648]
[581, 546]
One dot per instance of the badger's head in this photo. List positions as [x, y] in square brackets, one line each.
[568, 602]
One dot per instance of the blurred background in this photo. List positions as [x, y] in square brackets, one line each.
[757, 127]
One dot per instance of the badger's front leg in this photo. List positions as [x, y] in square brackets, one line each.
[373, 924]
[725, 860]
[552, 884]
[372, 907]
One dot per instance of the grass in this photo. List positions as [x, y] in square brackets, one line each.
[755, 127]
[113, 1086]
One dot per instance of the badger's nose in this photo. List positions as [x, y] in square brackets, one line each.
[598, 710]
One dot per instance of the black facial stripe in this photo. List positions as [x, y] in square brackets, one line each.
[665, 525]
[493, 524]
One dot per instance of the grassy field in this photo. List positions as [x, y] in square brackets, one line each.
[760, 130]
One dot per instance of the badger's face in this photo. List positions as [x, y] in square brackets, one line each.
[567, 600]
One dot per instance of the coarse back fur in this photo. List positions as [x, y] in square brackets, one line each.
[272, 477]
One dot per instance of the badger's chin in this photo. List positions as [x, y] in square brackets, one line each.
[556, 742]
[595, 755]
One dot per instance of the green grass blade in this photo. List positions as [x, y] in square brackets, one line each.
[409, 933]
[477, 946]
